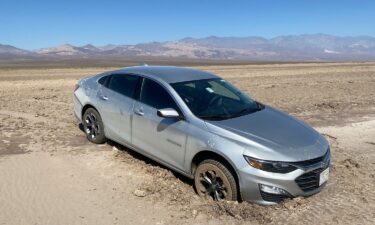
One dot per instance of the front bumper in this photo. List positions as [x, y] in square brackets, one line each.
[251, 178]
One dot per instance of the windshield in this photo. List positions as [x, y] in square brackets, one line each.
[215, 99]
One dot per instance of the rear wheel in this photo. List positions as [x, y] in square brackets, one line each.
[214, 180]
[93, 126]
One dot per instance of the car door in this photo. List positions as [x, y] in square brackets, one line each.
[163, 138]
[117, 101]
[104, 106]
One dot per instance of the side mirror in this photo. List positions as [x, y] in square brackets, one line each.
[168, 113]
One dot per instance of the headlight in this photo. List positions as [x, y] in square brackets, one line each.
[270, 166]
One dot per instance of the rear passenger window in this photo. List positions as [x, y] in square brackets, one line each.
[154, 95]
[123, 84]
[103, 81]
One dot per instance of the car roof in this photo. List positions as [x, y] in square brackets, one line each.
[169, 74]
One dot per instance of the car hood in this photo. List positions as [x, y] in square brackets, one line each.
[273, 135]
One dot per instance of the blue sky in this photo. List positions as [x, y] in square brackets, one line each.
[33, 24]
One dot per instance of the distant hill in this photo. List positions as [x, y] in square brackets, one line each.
[8, 51]
[319, 47]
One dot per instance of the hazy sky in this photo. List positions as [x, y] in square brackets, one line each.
[32, 24]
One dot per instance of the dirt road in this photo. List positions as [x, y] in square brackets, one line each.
[50, 174]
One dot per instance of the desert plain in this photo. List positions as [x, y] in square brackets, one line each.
[50, 173]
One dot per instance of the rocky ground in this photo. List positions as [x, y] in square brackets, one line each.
[50, 174]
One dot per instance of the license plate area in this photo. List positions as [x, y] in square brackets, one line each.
[323, 177]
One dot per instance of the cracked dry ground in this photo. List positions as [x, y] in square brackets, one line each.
[50, 174]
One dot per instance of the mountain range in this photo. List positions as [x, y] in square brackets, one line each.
[309, 47]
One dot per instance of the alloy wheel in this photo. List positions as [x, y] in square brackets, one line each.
[92, 126]
[212, 182]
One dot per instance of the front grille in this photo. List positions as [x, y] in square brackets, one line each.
[310, 162]
[273, 197]
[309, 181]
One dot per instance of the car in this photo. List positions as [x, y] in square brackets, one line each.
[200, 125]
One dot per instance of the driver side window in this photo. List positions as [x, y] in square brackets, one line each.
[154, 95]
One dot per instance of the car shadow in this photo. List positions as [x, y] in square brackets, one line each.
[80, 126]
[165, 123]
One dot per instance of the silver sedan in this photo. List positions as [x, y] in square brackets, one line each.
[200, 125]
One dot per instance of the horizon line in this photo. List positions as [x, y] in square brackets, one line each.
[186, 37]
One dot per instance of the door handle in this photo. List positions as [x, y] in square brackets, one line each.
[105, 98]
[139, 112]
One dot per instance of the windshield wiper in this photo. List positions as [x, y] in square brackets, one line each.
[215, 117]
[260, 106]
[242, 112]
[249, 110]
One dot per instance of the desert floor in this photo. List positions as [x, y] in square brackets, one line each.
[50, 174]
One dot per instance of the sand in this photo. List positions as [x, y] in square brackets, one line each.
[50, 174]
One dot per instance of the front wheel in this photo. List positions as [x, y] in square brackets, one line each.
[93, 126]
[214, 180]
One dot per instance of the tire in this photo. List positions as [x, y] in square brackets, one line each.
[214, 180]
[93, 126]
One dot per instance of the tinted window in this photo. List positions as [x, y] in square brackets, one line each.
[103, 80]
[154, 95]
[123, 84]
